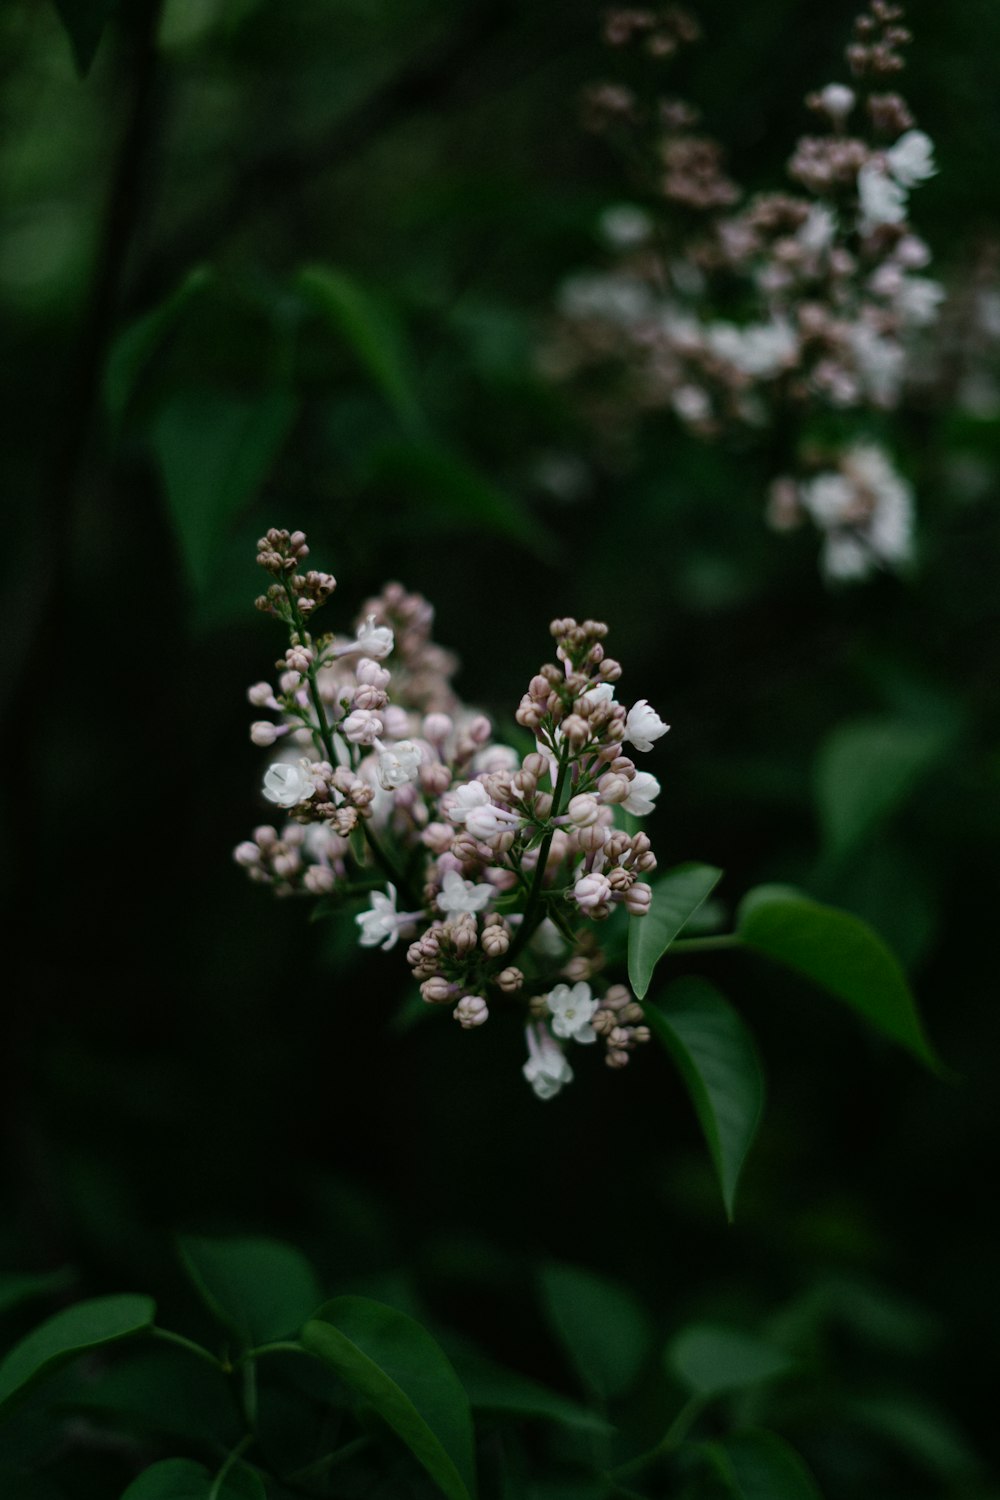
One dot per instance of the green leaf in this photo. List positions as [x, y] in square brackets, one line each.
[866, 769]
[215, 450]
[840, 952]
[372, 334]
[261, 1289]
[17, 1288]
[399, 1369]
[84, 21]
[676, 895]
[711, 1359]
[135, 346]
[600, 1325]
[759, 1465]
[182, 1479]
[716, 1057]
[453, 496]
[75, 1330]
[494, 1389]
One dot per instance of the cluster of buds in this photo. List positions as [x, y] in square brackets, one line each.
[830, 272]
[495, 865]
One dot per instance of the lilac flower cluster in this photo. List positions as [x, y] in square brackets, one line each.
[495, 865]
[827, 275]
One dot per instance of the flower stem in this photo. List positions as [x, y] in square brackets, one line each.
[532, 910]
[180, 1342]
[232, 1458]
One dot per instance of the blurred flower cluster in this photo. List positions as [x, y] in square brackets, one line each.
[740, 313]
[496, 868]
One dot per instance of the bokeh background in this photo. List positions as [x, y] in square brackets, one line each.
[182, 1053]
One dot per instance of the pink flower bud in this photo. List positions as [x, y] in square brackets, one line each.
[435, 779]
[265, 733]
[288, 682]
[479, 730]
[583, 810]
[510, 980]
[613, 788]
[265, 836]
[639, 899]
[362, 727]
[372, 674]
[471, 1011]
[319, 879]
[437, 728]
[437, 990]
[247, 854]
[437, 836]
[261, 695]
[592, 891]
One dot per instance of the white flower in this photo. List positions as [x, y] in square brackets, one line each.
[624, 226]
[398, 764]
[829, 498]
[879, 361]
[287, 785]
[374, 640]
[918, 299]
[362, 727]
[462, 895]
[819, 229]
[644, 791]
[612, 298]
[487, 821]
[644, 725]
[462, 799]
[380, 925]
[911, 159]
[600, 692]
[846, 558]
[883, 198]
[546, 1069]
[838, 100]
[759, 349]
[572, 1011]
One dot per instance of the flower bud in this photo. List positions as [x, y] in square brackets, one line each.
[639, 899]
[495, 941]
[362, 727]
[593, 838]
[538, 688]
[288, 682]
[591, 891]
[372, 673]
[264, 733]
[287, 865]
[613, 788]
[576, 731]
[471, 1011]
[510, 980]
[583, 810]
[535, 765]
[247, 854]
[617, 997]
[319, 879]
[261, 695]
[437, 990]
[435, 778]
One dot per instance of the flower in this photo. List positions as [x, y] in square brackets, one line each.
[362, 727]
[644, 725]
[883, 198]
[546, 1069]
[471, 1011]
[462, 895]
[911, 159]
[380, 925]
[838, 100]
[591, 891]
[374, 640]
[287, 785]
[644, 791]
[462, 799]
[399, 764]
[572, 1011]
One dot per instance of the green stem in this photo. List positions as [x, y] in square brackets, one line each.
[180, 1342]
[232, 1458]
[705, 944]
[532, 913]
[282, 1346]
[330, 1460]
[671, 1439]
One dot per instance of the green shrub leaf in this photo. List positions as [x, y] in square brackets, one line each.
[759, 1465]
[84, 21]
[261, 1289]
[840, 952]
[866, 769]
[215, 450]
[600, 1325]
[400, 1370]
[676, 895]
[181, 1479]
[136, 344]
[711, 1359]
[73, 1331]
[493, 1388]
[717, 1059]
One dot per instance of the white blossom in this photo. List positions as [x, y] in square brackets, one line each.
[625, 225]
[759, 349]
[398, 764]
[644, 725]
[614, 298]
[572, 1011]
[644, 791]
[546, 1069]
[911, 159]
[882, 198]
[819, 229]
[464, 798]
[287, 785]
[374, 640]
[362, 727]
[460, 895]
[838, 100]
[918, 299]
[380, 925]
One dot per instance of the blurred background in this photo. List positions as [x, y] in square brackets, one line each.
[293, 266]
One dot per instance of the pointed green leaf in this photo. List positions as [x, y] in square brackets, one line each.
[453, 496]
[216, 449]
[676, 895]
[866, 769]
[601, 1326]
[261, 1289]
[136, 344]
[17, 1288]
[711, 1359]
[75, 1330]
[759, 1465]
[84, 21]
[182, 1479]
[840, 952]
[399, 1369]
[371, 333]
[717, 1059]
[494, 1389]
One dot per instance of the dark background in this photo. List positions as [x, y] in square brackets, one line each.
[181, 1052]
